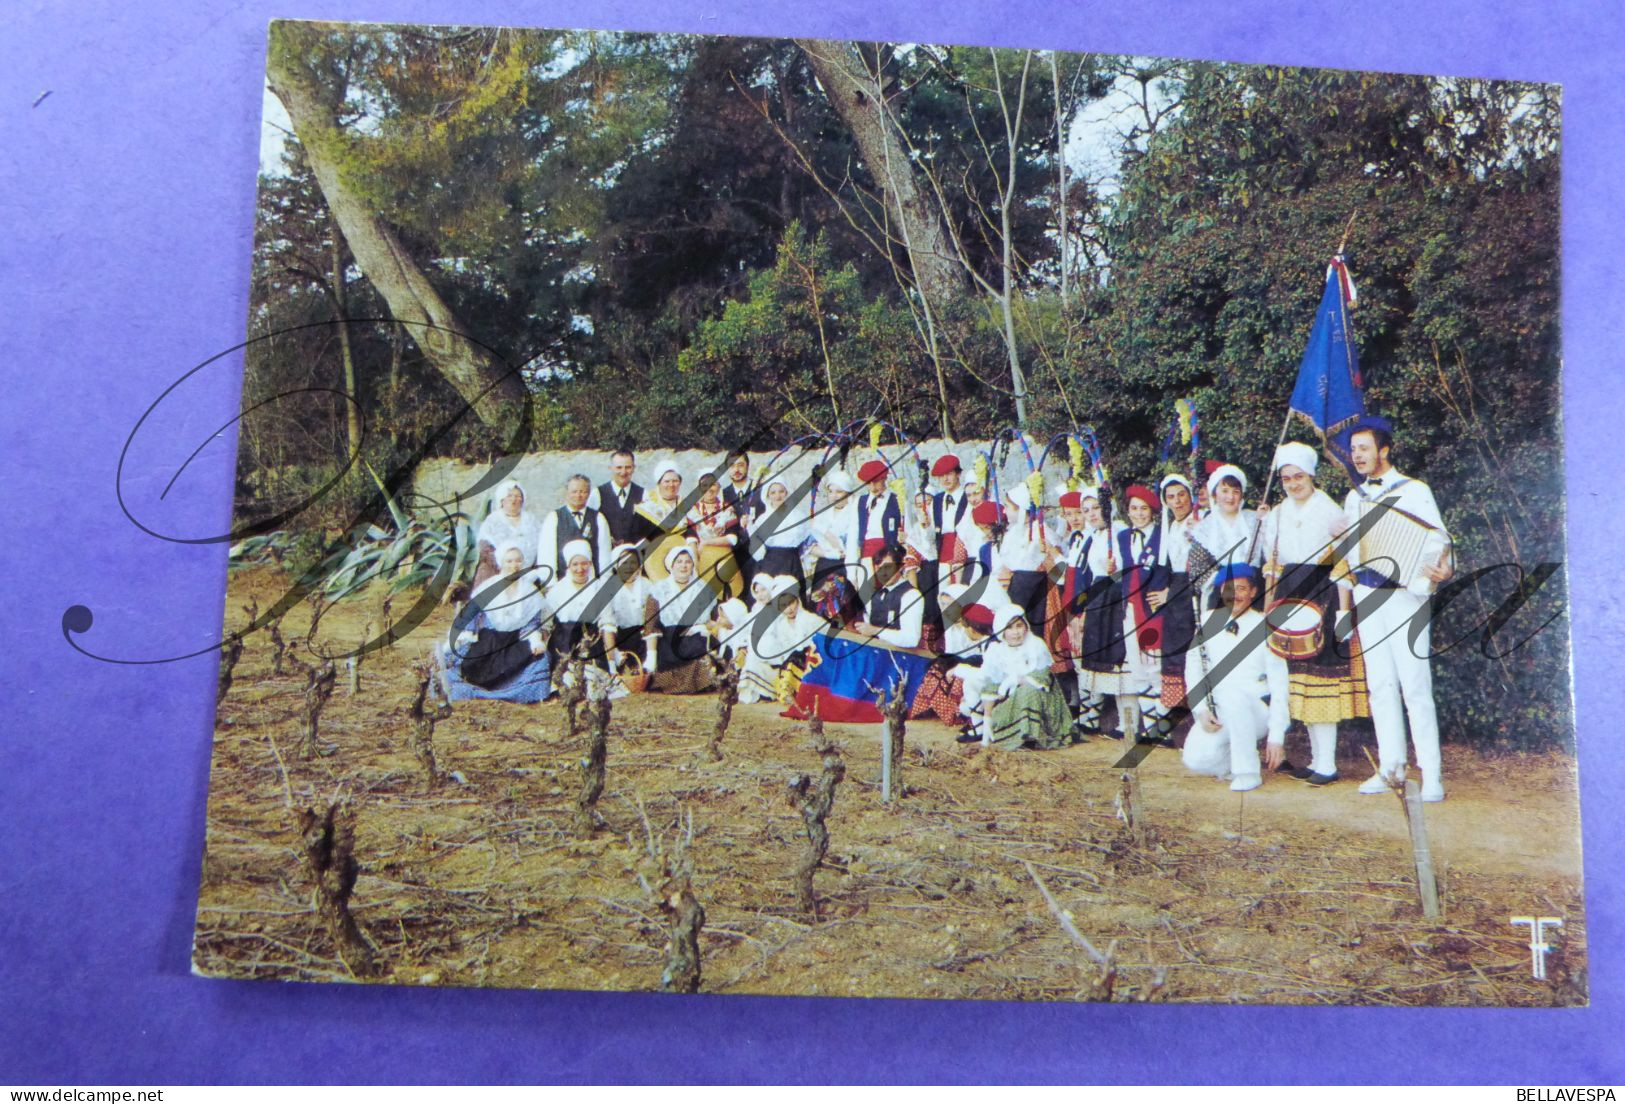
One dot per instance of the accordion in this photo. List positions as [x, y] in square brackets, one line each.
[1394, 544]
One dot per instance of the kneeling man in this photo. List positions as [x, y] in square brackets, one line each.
[1238, 688]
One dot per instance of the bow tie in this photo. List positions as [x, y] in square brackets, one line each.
[1233, 628]
[577, 514]
[1373, 482]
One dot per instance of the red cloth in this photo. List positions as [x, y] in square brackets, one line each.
[1144, 494]
[873, 470]
[872, 546]
[945, 463]
[939, 696]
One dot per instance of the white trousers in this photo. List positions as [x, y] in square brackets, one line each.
[1231, 752]
[1399, 680]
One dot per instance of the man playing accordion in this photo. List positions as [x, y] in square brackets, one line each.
[1403, 553]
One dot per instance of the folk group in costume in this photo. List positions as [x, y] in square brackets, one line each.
[1025, 623]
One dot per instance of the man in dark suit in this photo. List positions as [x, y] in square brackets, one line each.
[618, 499]
[747, 503]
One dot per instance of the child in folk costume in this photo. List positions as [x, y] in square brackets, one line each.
[1248, 701]
[1063, 612]
[921, 568]
[1022, 553]
[831, 589]
[968, 531]
[735, 615]
[1177, 601]
[1305, 575]
[739, 620]
[988, 521]
[680, 661]
[713, 530]
[1019, 697]
[1139, 552]
[1108, 658]
[935, 538]
[777, 532]
[776, 650]
[877, 522]
[507, 521]
[895, 613]
[968, 626]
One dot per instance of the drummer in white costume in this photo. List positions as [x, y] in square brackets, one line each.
[1397, 645]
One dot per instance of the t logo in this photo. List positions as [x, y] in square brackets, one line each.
[1537, 940]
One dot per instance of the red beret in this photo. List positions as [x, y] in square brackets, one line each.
[986, 513]
[873, 470]
[980, 618]
[1072, 500]
[1144, 494]
[946, 463]
[1211, 466]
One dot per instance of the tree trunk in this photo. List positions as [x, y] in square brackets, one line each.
[493, 393]
[352, 405]
[851, 89]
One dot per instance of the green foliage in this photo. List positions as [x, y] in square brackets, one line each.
[1219, 245]
[680, 239]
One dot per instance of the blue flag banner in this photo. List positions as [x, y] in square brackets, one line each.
[846, 674]
[1329, 391]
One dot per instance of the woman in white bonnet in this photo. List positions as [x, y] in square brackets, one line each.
[686, 618]
[664, 519]
[1298, 543]
[1027, 707]
[1225, 535]
[508, 520]
[500, 650]
[579, 609]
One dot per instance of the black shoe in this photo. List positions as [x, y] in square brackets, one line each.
[1320, 779]
[1300, 773]
[969, 736]
[1286, 767]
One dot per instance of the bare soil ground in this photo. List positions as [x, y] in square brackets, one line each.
[1288, 894]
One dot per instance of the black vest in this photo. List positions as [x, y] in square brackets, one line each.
[623, 527]
[744, 504]
[886, 606]
[565, 527]
[891, 520]
[944, 526]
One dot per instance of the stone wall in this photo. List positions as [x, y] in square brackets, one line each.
[543, 474]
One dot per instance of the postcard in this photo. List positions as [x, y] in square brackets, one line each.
[808, 517]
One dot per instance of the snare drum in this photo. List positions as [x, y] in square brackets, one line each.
[1297, 630]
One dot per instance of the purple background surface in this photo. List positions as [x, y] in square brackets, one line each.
[126, 211]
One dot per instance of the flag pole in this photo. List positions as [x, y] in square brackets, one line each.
[1347, 230]
[1286, 423]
